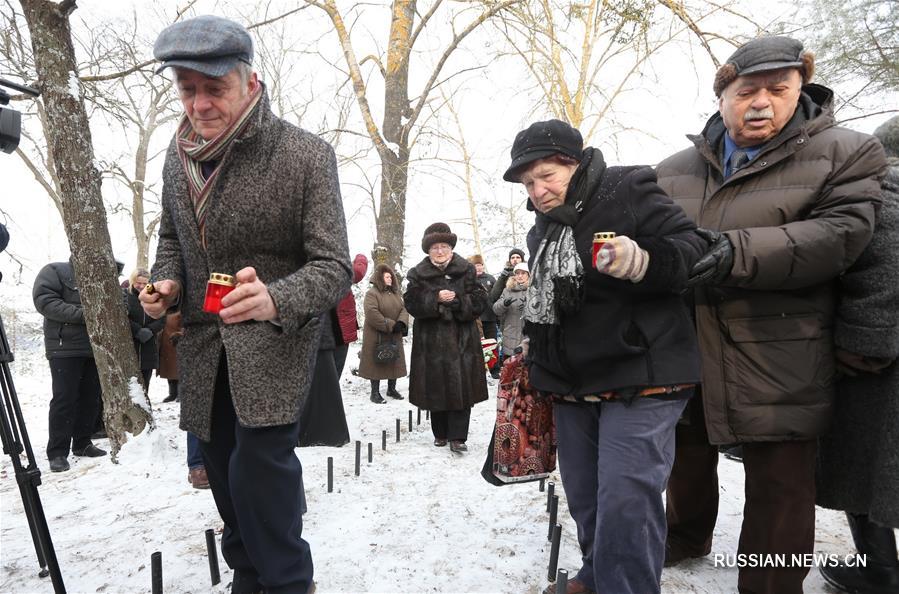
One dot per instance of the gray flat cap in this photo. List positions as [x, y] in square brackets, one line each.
[208, 44]
[767, 53]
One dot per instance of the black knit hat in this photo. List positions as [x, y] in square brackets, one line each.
[437, 233]
[518, 251]
[541, 140]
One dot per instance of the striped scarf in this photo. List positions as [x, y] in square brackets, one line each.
[194, 151]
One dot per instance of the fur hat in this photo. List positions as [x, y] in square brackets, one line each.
[888, 135]
[763, 54]
[518, 251]
[437, 233]
[476, 259]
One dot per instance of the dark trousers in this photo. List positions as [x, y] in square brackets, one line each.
[779, 508]
[146, 374]
[489, 328]
[340, 352]
[73, 408]
[256, 481]
[450, 424]
[615, 459]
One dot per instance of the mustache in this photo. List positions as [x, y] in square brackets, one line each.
[758, 114]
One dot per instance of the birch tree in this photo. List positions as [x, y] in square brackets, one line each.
[84, 218]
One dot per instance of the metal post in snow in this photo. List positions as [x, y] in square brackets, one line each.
[554, 552]
[156, 572]
[213, 555]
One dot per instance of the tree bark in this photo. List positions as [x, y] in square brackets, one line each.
[84, 218]
[392, 214]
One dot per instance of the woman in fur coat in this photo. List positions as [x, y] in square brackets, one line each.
[445, 299]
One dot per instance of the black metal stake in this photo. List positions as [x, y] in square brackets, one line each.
[553, 513]
[562, 581]
[213, 555]
[156, 572]
[397, 430]
[550, 491]
[358, 455]
[384, 440]
[554, 553]
[428, 415]
[418, 422]
[371, 455]
[330, 474]
[410, 420]
[542, 485]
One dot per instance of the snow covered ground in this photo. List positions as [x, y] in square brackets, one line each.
[418, 519]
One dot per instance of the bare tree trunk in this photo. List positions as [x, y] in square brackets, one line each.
[396, 83]
[84, 218]
[392, 214]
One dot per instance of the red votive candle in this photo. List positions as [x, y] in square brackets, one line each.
[217, 287]
[598, 240]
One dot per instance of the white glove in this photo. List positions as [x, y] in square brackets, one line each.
[622, 258]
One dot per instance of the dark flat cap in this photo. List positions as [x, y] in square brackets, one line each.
[767, 53]
[208, 44]
[541, 140]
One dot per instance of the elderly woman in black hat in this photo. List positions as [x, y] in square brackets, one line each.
[612, 343]
[447, 372]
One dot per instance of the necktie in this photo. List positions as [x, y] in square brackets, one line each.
[738, 160]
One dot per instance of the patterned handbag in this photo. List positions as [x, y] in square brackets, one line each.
[387, 350]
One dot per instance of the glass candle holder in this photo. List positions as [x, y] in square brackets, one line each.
[217, 287]
[598, 240]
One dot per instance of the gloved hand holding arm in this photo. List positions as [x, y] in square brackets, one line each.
[715, 266]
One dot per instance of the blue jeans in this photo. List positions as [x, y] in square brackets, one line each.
[194, 455]
[615, 460]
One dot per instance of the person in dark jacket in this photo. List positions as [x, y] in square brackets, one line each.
[76, 385]
[386, 318]
[516, 256]
[489, 325]
[447, 365]
[611, 342]
[143, 328]
[858, 459]
[787, 200]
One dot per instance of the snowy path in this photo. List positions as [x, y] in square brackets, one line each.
[418, 519]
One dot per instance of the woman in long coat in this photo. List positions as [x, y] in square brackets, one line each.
[386, 319]
[509, 308]
[143, 327]
[445, 299]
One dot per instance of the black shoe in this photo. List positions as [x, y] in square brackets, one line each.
[59, 464]
[458, 446]
[440, 443]
[170, 398]
[376, 398]
[394, 394]
[674, 555]
[99, 434]
[245, 582]
[90, 451]
[880, 575]
[494, 373]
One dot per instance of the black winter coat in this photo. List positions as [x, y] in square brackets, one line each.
[625, 335]
[447, 371]
[487, 281]
[147, 352]
[56, 297]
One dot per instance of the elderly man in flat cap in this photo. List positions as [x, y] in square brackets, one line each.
[787, 201]
[254, 202]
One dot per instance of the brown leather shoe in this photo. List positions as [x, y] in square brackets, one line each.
[575, 586]
[440, 442]
[197, 477]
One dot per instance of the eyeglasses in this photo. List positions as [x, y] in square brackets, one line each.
[440, 248]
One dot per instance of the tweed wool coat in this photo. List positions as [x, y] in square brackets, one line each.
[275, 206]
[384, 307]
[799, 214]
[447, 370]
[858, 459]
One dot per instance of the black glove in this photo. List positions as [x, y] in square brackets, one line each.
[400, 328]
[508, 270]
[715, 266]
[144, 334]
[507, 302]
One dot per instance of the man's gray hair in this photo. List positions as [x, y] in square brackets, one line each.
[244, 71]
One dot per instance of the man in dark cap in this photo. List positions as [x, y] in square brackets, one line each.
[787, 201]
[249, 195]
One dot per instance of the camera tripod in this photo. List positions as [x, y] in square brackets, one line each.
[15, 441]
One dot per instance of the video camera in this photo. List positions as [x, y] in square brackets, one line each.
[10, 119]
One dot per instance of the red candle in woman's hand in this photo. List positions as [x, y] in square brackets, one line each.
[598, 240]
